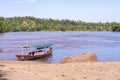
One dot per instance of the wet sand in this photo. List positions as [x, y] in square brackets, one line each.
[33, 70]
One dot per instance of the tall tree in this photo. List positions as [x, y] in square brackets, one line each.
[2, 25]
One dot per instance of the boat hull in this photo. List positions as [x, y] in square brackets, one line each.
[31, 57]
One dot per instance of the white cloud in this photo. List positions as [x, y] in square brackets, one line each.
[32, 1]
[25, 1]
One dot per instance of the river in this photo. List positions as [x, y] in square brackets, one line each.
[106, 45]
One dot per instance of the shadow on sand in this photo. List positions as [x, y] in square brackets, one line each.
[2, 74]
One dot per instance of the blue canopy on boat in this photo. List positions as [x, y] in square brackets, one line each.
[42, 46]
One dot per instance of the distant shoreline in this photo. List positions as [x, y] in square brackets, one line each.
[29, 23]
[59, 31]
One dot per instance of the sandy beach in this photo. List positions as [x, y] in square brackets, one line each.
[33, 70]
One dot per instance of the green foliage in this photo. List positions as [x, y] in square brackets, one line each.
[3, 25]
[116, 28]
[28, 23]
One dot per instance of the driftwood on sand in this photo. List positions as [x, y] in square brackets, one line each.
[86, 57]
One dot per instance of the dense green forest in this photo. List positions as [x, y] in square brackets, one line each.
[28, 23]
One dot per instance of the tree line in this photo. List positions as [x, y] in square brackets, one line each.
[29, 23]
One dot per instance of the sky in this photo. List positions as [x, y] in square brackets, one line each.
[85, 10]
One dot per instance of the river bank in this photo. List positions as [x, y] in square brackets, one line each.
[33, 70]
